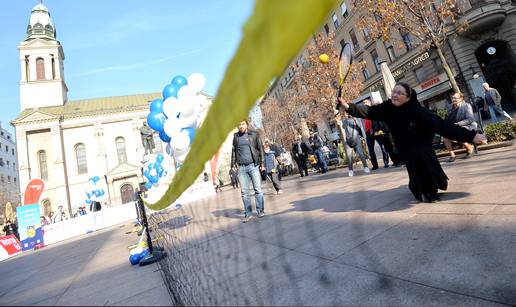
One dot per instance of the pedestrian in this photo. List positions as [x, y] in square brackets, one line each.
[247, 155]
[51, 217]
[233, 175]
[317, 145]
[413, 128]
[10, 228]
[370, 134]
[354, 136]
[205, 177]
[493, 103]
[271, 165]
[218, 183]
[300, 153]
[460, 114]
[59, 216]
[43, 220]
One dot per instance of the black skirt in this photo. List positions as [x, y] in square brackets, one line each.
[426, 175]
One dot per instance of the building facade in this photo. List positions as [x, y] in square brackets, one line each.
[65, 143]
[484, 52]
[9, 180]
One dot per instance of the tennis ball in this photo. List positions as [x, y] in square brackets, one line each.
[324, 58]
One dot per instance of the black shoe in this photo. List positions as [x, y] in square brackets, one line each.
[431, 198]
[374, 168]
[451, 159]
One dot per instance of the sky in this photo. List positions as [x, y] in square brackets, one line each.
[126, 47]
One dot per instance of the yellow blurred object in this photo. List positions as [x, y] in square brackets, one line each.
[31, 232]
[324, 58]
[143, 244]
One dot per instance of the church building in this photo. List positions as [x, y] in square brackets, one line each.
[65, 143]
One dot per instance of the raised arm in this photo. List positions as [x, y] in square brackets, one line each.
[376, 112]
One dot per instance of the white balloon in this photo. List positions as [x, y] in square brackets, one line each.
[168, 149]
[180, 142]
[187, 107]
[196, 82]
[188, 121]
[171, 107]
[185, 92]
[182, 157]
[172, 127]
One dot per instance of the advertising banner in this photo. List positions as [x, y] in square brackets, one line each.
[29, 227]
[33, 192]
[9, 246]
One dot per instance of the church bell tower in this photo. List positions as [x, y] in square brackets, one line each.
[41, 57]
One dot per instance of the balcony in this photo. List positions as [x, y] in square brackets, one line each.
[480, 15]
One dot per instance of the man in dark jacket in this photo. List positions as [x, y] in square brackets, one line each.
[317, 145]
[493, 103]
[247, 155]
[300, 154]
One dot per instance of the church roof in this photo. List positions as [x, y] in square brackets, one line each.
[95, 106]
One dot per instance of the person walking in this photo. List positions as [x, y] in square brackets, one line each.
[354, 134]
[317, 147]
[271, 165]
[233, 175]
[59, 216]
[461, 114]
[413, 128]
[248, 156]
[10, 228]
[371, 138]
[493, 103]
[300, 153]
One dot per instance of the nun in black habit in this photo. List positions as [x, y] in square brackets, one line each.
[413, 128]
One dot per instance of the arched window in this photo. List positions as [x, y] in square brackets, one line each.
[42, 161]
[120, 150]
[40, 69]
[80, 155]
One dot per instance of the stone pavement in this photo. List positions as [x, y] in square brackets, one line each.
[334, 240]
[88, 270]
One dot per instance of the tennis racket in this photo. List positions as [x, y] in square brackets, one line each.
[345, 61]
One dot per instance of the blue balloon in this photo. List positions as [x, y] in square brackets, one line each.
[87, 201]
[102, 192]
[179, 81]
[160, 170]
[148, 185]
[146, 174]
[150, 166]
[156, 120]
[191, 133]
[88, 195]
[144, 253]
[97, 193]
[135, 259]
[153, 179]
[164, 137]
[156, 105]
[159, 158]
[95, 179]
[170, 90]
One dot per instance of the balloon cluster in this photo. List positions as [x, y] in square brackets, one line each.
[177, 115]
[138, 253]
[154, 172]
[94, 192]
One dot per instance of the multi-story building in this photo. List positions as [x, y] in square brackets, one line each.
[483, 52]
[9, 180]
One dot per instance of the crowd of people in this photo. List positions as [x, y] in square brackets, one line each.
[402, 128]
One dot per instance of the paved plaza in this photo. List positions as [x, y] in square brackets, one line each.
[328, 240]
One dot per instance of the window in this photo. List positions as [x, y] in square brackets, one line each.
[120, 150]
[8, 179]
[342, 43]
[80, 155]
[365, 72]
[1, 162]
[14, 166]
[376, 61]
[344, 9]
[366, 35]
[438, 65]
[13, 151]
[390, 52]
[421, 74]
[335, 21]
[6, 148]
[14, 179]
[42, 161]
[7, 162]
[408, 41]
[40, 69]
[327, 29]
[354, 40]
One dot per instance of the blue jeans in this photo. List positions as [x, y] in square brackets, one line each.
[321, 162]
[251, 174]
[496, 109]
[358, 150]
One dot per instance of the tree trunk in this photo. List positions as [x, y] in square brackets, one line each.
[447, 68]
[338, 121]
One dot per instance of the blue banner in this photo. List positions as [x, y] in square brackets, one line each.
[29, 227]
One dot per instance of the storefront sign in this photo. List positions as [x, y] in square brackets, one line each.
[398, 73]
[423, 86]
[9, 246]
